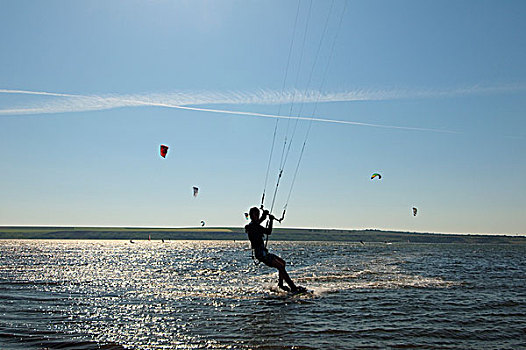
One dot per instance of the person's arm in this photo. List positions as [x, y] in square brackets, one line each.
[264, 216]
[270, 223]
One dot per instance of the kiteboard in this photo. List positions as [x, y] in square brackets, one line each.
[300, 291]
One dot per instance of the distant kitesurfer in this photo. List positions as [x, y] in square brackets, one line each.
[255, 234]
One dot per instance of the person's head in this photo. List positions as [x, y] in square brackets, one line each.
[254, 214]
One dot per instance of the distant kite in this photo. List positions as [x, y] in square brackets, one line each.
[196, 191]
[376, 175]
[164, 151]
[246, 216]
[202, 223]
[414, 211]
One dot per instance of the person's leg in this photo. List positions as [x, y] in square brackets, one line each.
[279, 264]
[280, 281]
[274, 262]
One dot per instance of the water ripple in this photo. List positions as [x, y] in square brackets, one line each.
[194, 294]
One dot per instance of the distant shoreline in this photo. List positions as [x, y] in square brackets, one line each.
[238, 233]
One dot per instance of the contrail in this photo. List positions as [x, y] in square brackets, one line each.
[69, 103]
[274, 116]
[27, 92]
[100, 103]
[263, 96]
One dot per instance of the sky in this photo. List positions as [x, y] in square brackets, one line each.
[430, 94]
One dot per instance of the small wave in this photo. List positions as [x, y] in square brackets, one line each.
[334, 277]
[52, 340]
[33, 283]
[381, 278]
[404, 281]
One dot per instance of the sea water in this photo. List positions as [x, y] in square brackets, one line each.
[210, 294]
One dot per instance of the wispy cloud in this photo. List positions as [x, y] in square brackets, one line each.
[69, 103]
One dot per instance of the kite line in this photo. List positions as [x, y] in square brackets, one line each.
[287, 143]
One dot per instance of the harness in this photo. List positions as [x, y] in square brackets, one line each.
[264, 253]
[256, 261]
[253, 250]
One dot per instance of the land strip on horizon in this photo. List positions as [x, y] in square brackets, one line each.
[238, 233]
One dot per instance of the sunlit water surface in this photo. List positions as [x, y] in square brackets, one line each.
[209, 294]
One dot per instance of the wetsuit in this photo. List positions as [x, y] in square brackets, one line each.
[256, 234]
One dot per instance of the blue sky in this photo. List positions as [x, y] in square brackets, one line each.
[450, 74]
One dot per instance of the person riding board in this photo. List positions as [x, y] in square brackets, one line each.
[255, 234]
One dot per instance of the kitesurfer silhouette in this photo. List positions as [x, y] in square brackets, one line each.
[255, 234]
